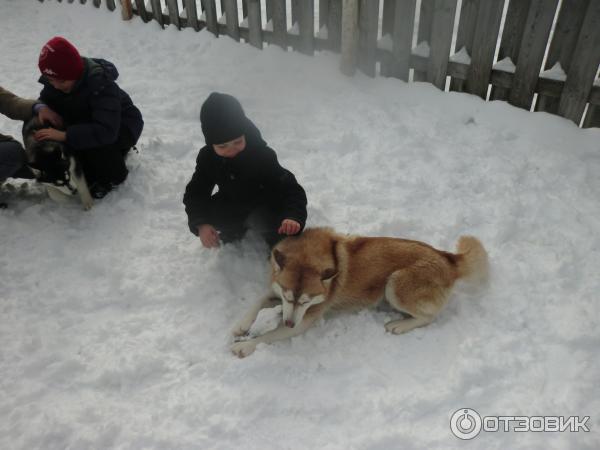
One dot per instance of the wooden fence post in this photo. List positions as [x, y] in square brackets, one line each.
[191, 13]
[334, 25]
[561, 51]
[465, 36]
[387, 31]
[126, 10]
[368, 27]
[584, 66]
[210, 11]
[174, 13]
[254, 24]
[424, 33]
[514, 26]
[307, 27]
[484, 41]
[141, 10]
[323, 13]
[157, 12]
[349, 36]
[404, 22]
[531, 53]
[592, 117]
[441, 41]
[233, 24]
[279, 24]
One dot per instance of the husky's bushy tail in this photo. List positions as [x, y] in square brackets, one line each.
[472, 261]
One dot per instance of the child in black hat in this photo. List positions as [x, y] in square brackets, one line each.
[254, 191]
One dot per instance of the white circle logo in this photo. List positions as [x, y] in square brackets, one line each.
[465, 423]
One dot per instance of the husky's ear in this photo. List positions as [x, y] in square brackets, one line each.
[328, 274]
[278, 260]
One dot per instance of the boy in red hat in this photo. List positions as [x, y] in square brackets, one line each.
[101, 121]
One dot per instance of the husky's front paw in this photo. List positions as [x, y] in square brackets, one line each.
[87, 205]
[241, 328]
[243, 348]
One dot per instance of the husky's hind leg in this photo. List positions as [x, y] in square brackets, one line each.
[416, 292]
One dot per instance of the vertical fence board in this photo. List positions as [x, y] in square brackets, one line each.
[192, 14]
[464, 38]
[323, 13]
[489, 17]
[210, 12]
[110, 4]
[563, 44]
[96, 3]
[404, 22]
[368, 23]
[244, 9]
[295, 5]
[424, 32]
[592, 118]
[269, 9]
[531, 53]
[174, 13]
[157, 12]
[441, 41]
[126, 9]
[387, 32]
[280, 23]
[514, 27]
[584, 66]
[334, 25]
[254, 24]
[141, 10]
[233, 24]
[307, 27]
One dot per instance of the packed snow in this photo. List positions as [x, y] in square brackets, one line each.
[114, 323]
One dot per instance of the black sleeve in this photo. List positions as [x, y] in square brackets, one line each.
[198, 191]
[283, 183]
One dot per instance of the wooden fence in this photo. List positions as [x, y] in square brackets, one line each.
[566, 85]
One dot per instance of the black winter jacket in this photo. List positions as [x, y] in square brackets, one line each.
[96, 108]
[252, 178]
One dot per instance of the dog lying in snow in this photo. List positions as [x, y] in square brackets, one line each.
[321, 270]
[55, 166]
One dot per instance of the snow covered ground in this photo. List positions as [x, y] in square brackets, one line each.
[114, 323]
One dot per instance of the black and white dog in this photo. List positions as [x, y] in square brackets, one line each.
[55, 166]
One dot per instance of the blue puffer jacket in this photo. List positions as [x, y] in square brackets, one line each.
[96, 108]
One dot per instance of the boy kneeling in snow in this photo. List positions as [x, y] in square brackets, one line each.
[102, 123]
[254, 190]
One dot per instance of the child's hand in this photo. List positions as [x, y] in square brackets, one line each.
[208, 235]
[46, 115]
[289, 227]
[50, 134]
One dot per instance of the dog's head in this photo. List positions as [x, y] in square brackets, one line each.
[303, 271]
[48, 160]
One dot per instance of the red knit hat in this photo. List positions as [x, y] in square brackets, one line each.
[60, 59]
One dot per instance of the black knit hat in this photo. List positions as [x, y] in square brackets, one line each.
[222, 119]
